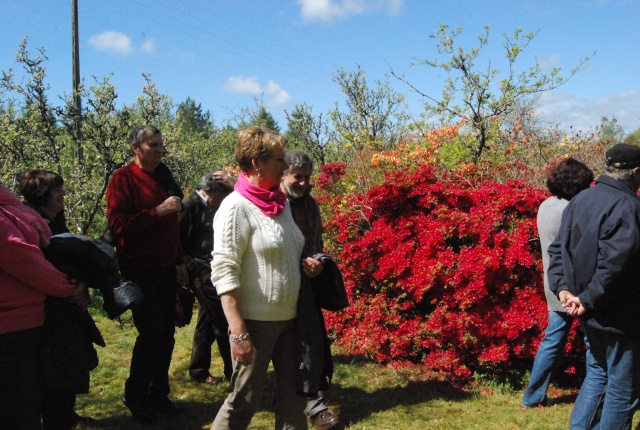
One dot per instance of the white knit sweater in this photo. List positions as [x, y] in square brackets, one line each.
[258, 256]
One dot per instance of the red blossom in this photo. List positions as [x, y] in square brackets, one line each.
[441, 273]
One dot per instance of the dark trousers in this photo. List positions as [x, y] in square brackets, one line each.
[58, 410]
[211, 326]
[19, 376]
[155, 321]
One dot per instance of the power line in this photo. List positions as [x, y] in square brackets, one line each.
[228, 43]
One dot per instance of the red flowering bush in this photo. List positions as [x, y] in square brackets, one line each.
[442, 273]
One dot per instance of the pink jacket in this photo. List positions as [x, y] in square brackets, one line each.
[26, 277]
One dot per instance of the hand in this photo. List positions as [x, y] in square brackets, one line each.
[225, 178]
[312, 267]
[574, 307]
[571, 303]
[172, 205]
[80, 296]
[242, 352]
[564, 295]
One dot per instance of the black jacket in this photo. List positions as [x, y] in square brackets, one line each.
[326, 291]
[94, 261]
[68, 354]
[597, 255]
[196, 235]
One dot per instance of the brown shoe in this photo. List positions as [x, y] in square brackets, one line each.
[209, 380]
[325, 420]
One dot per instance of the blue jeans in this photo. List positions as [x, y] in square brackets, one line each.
[609, 394]
[548, 358]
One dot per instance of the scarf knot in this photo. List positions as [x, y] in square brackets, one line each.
[270, 202]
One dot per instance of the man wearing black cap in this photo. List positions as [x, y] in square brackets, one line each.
[595, 271]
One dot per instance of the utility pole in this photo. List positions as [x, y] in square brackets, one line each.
[77, 103]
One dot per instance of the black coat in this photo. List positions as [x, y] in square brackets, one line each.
[326, 291]
[68, 354]
[597, 255]
[69, 333]
[94, 261]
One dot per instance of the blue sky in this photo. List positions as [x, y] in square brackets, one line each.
[222, 53]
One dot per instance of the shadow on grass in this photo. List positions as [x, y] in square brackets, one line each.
[564, 399]
[354, 393]
[359, 403]
[195, 415]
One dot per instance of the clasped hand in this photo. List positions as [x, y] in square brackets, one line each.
[571, 304]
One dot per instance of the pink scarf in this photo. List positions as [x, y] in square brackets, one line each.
[270, 202]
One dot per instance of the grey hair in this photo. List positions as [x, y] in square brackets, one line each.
[297, 158]
[140, 132]
[210, 184]
[624, 175]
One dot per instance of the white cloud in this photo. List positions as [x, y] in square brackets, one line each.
[327, 10]
[585, 114]
[280, 96]
[112, 42]
[551, 61]
[250, 85]
[149, 46]
[242, 85]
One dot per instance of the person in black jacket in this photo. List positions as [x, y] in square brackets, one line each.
[196, 233]
[306, 214]
[595, 271]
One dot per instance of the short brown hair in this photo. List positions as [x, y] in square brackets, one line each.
[257, 142]
[37, 184]
[568, 177]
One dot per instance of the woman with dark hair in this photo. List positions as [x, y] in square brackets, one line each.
[43, 191]
[256, 269]
[565, 180]
[69, 332]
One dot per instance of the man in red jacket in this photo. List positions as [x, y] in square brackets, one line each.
[143, 201]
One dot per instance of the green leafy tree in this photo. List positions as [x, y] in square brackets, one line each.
[373, 116]
[192, 119]
[633, 138]
[105, 131]
[310, 132]
[481, 96]
[33, 131]
[255, 115]
[610, 130]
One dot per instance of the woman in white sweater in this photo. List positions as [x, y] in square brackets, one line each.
[256, 271]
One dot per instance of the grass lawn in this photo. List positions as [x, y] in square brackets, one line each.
[366, 395]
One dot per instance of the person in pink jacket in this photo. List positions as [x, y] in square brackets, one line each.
[26, 279]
